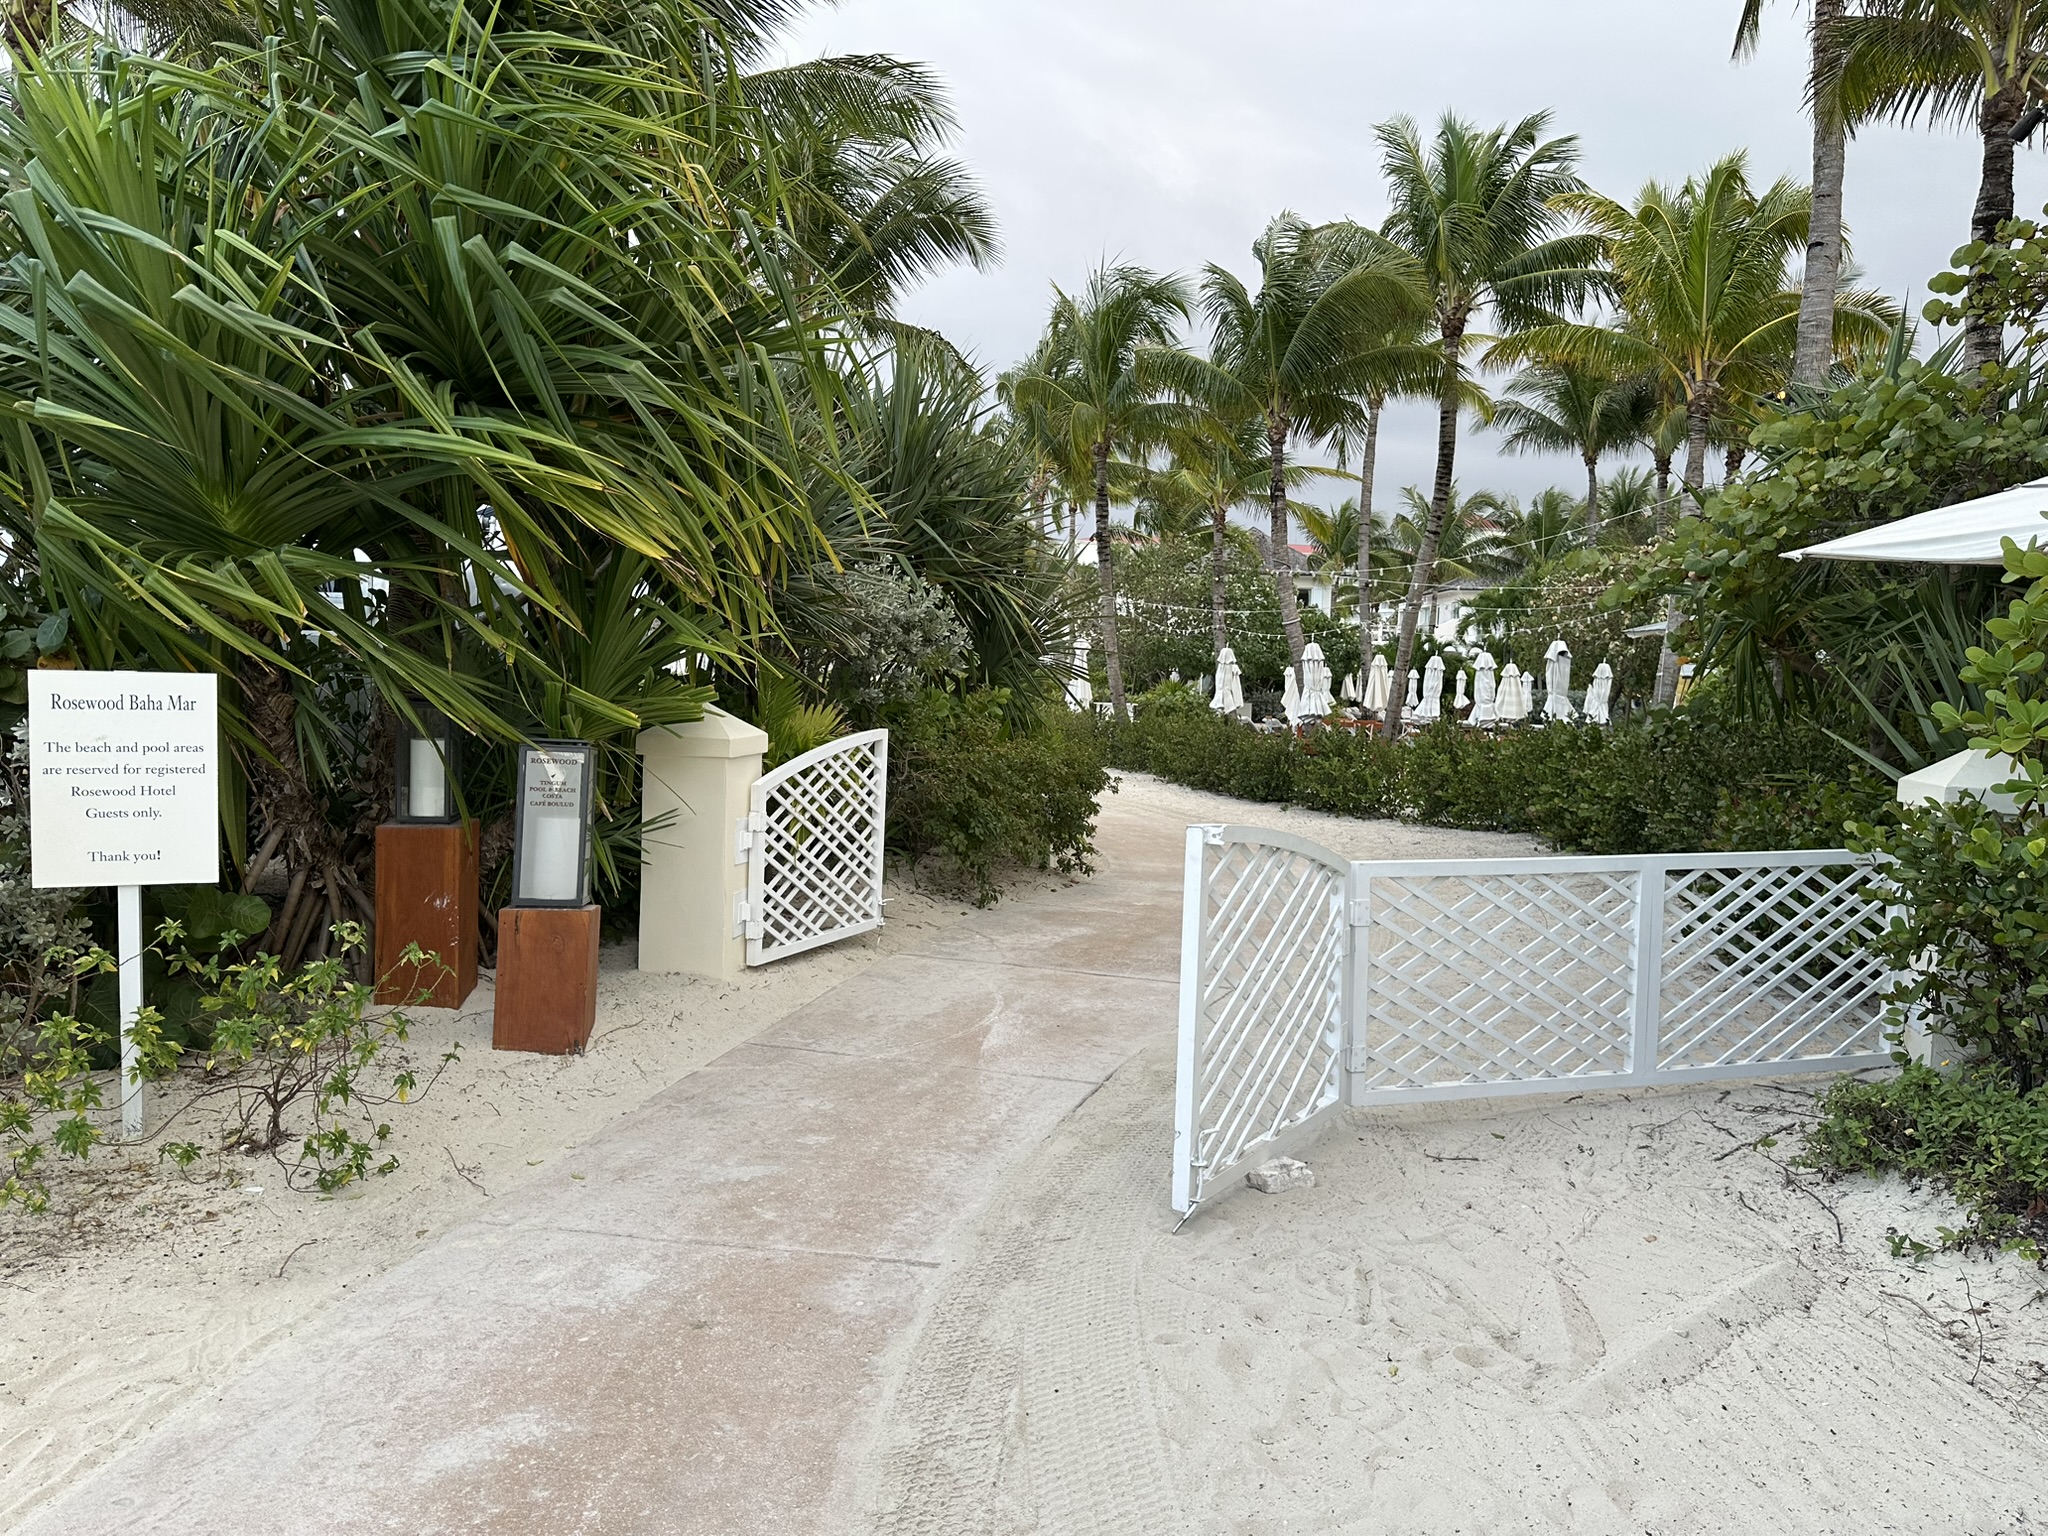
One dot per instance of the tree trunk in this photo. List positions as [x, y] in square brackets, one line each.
[1661, 518]
[1219, 565]
[1112, 653]
[1731, 463]
[1424, 573]
[1814, 351]
[1984, 337]
[1283, 556]
[1699, 415]
[1592, 498]
[1368, 462]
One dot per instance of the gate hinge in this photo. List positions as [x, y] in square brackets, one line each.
[1356, 1058]
[745, 831]
[1361, 914]
[745, 925]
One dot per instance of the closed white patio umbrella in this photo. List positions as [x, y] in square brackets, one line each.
[1432, 705]
[1485, 692]
[1458, 704]
[1513, 705]
[1379, 683]
[1229, 697]
[1599, 694]
[1290, 699]
[1315, 683]
[1414, 693]
[1080, 691]
[1348, 691]
[1557, 682]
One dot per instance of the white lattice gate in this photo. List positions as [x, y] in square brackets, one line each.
[1500, 976]
[813, 843]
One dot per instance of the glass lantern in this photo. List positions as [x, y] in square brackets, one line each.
[425, 772]
[551, 827]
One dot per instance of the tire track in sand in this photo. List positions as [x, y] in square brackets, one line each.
[1023, 1404]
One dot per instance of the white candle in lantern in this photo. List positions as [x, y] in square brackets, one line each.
[551, 862]
[427, 782]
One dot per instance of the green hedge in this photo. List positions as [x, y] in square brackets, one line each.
[978, 793]
[1679, 783]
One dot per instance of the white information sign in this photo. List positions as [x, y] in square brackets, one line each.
[123, 778]
[124, 791]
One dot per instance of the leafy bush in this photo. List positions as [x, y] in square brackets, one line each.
[966, 784]
[1968, 937]
[1975, 1134]
[49, 1105]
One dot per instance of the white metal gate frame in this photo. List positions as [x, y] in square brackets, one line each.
[1309, 981]
[812, 843]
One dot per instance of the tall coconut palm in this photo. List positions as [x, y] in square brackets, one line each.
[1087, 382]
[1813, 349]
[1297, 357]
[1977, 62]
[1479, 215]
[1700, 275]
[1214, 469]
[1470, 544]
[1560, 407]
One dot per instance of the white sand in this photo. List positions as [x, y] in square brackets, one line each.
[143, 1288]
[1587, 1314]
[1590, 1313]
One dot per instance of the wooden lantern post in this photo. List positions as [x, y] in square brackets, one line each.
[426, 876]
[548, 936]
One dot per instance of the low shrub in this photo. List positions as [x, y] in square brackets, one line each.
[1974, 1134]
[979, 792]
[1967, 893]
[1675, 783]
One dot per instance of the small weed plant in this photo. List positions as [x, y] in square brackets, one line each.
[299, 1055]
[306, 1040]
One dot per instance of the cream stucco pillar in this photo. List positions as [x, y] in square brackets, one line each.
[697, 776]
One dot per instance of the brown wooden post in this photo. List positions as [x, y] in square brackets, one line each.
[427, 895]
[547, 979]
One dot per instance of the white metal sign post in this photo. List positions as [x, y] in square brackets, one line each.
[124, 790]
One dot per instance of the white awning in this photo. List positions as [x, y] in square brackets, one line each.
[1968, 533]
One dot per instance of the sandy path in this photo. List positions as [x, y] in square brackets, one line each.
[900, 1265]
[142, 1290]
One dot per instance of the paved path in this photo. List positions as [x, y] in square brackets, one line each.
[693, 1325]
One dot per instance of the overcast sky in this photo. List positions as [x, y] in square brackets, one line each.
[1167, 132]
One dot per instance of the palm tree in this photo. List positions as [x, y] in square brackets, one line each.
[873, 205]
[1544, 532]
[1983, 62]
[1296, 357]
[1700, 276]
[1813, 349]
[1560, 407]
[1479, 215]
[1630, 493]
[1087, 382]
[1214, 469]
[1469, 544]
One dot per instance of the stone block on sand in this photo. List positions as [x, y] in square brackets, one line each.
[1281, 1175]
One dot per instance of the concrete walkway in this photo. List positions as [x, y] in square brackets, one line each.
[690, 1326]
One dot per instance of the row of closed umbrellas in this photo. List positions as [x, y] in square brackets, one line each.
[1505, 699]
